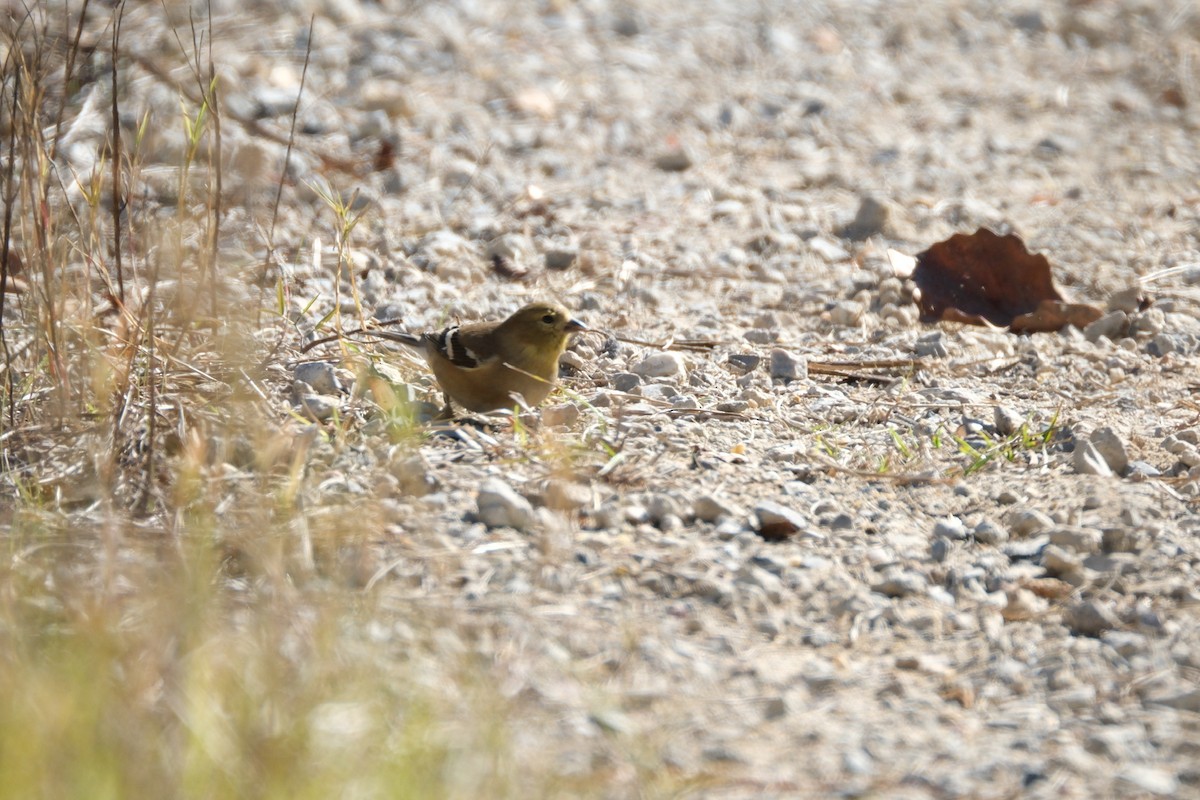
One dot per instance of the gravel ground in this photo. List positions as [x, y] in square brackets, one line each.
[960, 563]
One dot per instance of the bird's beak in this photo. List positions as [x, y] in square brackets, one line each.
[574, 326]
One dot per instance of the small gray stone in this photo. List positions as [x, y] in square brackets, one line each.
[744, 362]
[1006, 420]
[787, 367]
[777, 521]
[1126, 643]
[950, 528]
[661, 506]
[659, 365]
[871, 218]
[512, 251]
[564, 495]
[317, 407]
[710, 508]
[1111, 448]
[1087, 461]
[846, 313]
[770, 584]
[1028, 521]
[321, 376]
[1147, 323]
[901, 584]
[828, 249]
[413, 476]
[1091, 618]
[564, 414]
[499, 506]
[676, 160]
[1112, 325]
[659, 391]
[761, 336]
[1161, 344]
[1077, 540]
[1184, 700]
[1130, 300]
[625, 381]
[560, 259]
[932, 345]
[989, 532]
[939, 549]
[1059, 561]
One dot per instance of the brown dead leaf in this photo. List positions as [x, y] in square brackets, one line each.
[986, 279]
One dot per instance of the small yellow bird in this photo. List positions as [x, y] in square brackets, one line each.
[483, 365]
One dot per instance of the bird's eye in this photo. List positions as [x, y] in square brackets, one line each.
[548, 319]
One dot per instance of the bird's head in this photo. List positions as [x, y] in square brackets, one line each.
[543, 323]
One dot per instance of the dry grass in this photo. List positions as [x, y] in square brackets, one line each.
[172, 622]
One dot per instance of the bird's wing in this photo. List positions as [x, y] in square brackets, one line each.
[462, 347]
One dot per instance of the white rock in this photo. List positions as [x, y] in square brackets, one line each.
[1149, 779]
[499, 506]
[710, 508]
[1112, 325]
[659, 365]
[1087, 461]
[1006, 420]
[1111, 448]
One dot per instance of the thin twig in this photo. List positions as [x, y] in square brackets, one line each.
[287, 156]
[116, 152]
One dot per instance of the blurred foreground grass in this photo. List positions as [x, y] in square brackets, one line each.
[140, 668]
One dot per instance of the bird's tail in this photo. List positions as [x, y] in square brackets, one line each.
[410, 339]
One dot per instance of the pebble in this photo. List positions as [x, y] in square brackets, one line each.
[1028, 521]
[660, 365]
[676, 160]
[990, 532]
[787, 367]
[776, 522]
[1006, 420]
[1112, 325]
[559, 260]
[711, 507]
[499, 506]
[1147, 323]
[950, 528]
[1077, 540]
[901, 583]
[562, 415]
[1149, 779]
[932, 345]
[1091, 618]
[1130, 299]
[565, 495]
[828, 249]
[658, 391]
[414, 476]
[1111, 448]
[1162, 344]
[317, 407]
[1022, 604]
[870, 219]
[744, 362]
[1061, 562]
[846, 313]
[1087, 460]
[625, 381]
[939, 549]
[321, 376]
[511, 248]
